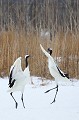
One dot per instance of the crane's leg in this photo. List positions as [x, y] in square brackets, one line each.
[50, 89]
[22, 100]
[55, 94]
[14, 100]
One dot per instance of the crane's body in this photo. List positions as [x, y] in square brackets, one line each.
[18, 78]
[54, 70]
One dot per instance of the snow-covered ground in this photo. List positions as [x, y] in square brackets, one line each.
[37, 103]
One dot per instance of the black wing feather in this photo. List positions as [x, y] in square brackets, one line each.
[11, 82]
[63, 74]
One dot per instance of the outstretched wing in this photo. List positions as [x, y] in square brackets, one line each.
[52, 61]
[17, 63]
[44, 51]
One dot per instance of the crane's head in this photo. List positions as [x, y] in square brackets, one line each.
[49, 50]
[27, 56]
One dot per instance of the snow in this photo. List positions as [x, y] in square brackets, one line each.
[37, 103]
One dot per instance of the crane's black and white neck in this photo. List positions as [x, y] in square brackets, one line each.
[26, 59]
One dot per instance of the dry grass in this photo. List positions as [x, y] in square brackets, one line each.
[14, 44]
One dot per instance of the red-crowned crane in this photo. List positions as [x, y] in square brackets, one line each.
[18, 78]
[54, 70]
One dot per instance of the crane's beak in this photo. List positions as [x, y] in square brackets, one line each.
[31, 56]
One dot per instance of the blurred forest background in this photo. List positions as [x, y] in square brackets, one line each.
[24, 24]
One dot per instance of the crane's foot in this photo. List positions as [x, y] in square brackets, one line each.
[16, 105]
[23, 106]
[53, 101]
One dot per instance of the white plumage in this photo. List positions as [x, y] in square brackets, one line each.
[54, 70]
[17, 64]
[18, 78]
